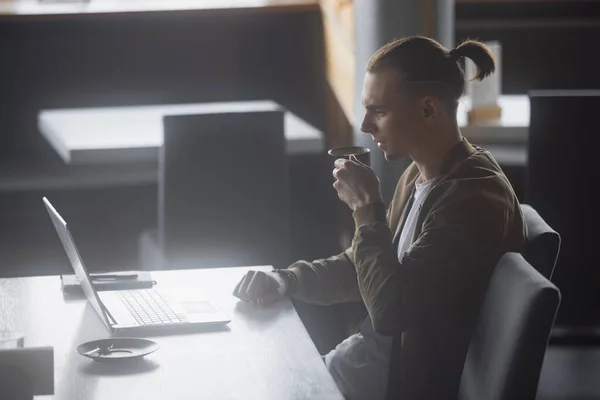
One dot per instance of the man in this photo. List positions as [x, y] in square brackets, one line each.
[421, 267]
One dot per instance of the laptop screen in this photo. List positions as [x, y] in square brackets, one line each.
[82, 275]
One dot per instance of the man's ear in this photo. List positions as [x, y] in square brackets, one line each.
[429, 107]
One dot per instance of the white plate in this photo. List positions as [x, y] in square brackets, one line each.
[122, 349]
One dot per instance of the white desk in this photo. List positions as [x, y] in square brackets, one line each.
[265, 353]
[134, 134]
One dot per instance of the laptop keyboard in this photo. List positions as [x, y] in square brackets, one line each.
[149, 308]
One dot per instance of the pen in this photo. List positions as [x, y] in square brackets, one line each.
[113, 277]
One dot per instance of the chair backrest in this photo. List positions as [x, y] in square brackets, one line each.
[14, 383]
[543, 242]
[507, 350]
[224, 190]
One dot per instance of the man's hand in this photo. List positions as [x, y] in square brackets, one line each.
[261, 288]
[356, 183]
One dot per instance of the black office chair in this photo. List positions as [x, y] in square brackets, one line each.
[223, 191]
[543, 242]
[507, 350]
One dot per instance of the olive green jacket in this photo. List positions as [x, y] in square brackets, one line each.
[469, 218]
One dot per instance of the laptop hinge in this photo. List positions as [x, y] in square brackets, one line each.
[112, 319]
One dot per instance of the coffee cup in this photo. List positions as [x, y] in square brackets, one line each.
[362, 154]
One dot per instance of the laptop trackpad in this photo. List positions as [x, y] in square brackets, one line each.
[198, 307]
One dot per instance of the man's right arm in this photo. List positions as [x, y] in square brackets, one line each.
[326, 281]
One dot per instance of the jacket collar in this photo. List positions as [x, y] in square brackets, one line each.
[455, 156]
[405, 189]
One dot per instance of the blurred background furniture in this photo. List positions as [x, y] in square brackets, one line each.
[139, 53]
[133, 135]
[224, 197]
[14, 383]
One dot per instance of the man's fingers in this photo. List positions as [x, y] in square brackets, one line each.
[339, 165]
[270, 296]
[341, 173]
[356, 160]
[242, 293]
[258, 286]
[336, 185]
[343, 166]
[273, 290]
[340, 162]
[338, 173]
[236, 289]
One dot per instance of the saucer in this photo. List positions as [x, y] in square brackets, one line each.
[122, 349]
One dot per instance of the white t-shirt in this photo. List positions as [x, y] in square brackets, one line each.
[360, 364]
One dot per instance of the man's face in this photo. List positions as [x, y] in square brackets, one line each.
[393, 119]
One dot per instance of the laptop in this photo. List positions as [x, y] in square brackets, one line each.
[137, 311]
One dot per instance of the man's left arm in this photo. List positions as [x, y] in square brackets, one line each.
[444, 265]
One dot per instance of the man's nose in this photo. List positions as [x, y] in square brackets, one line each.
[366, 126]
